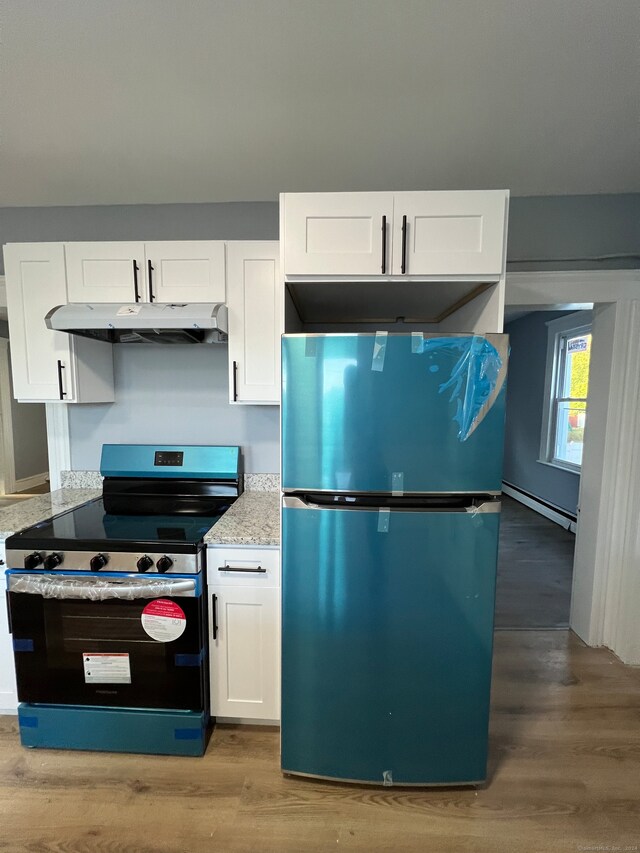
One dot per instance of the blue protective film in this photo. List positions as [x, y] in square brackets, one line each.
[473, 378]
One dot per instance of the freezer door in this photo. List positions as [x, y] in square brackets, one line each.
[393, 413]
[387, 643]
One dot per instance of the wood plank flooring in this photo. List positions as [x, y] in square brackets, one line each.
[535, 564]
[564, 765]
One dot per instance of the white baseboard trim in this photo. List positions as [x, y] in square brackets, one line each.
[8, 703]
[243, 721]
[540, 508]
[31, 482]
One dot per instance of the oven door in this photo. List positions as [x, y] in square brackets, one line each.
[114, 640]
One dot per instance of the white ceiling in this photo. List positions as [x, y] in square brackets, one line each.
[114, 101]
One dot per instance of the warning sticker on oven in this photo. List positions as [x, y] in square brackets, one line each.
[163, 620]
[106, 668]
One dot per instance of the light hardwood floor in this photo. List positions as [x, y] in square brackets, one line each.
[565, 776]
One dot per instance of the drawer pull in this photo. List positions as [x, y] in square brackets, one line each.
[257, 571]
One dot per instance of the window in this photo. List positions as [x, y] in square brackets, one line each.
[568, 355]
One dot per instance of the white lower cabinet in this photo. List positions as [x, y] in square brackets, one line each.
[8, 690]
[244, 632]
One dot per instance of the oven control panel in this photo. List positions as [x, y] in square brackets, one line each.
[114, 561]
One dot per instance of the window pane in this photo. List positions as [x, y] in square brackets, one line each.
[570, 423]
[576, 368]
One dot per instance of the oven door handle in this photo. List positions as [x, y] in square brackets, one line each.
[50, 586]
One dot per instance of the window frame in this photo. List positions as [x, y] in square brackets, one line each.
[572, 325]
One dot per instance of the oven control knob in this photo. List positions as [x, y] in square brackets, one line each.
[32, 561]
[144, 563]
[98, 562]
[52, 560]
[164, 564]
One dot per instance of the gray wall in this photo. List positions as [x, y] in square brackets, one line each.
[174, 395]
[525, 400]
[149, 382]
[540, 227]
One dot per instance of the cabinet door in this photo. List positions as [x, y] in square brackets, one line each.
[255, 322]
[245, 654]
[106, 272]
[8, 690]
[449, 233]
[43, 362]
[186, 271]
[336, 233]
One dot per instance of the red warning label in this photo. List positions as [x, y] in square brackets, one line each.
[163, 620]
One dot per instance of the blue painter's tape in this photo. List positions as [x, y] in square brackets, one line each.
[189, 660]
[188, 734]
[23, 645]
[28, 722]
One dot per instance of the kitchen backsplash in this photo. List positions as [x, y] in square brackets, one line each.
[93, 480]
[262, 482]
[81, 479]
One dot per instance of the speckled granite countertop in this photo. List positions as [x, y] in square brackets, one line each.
[254, 519]
[31, 511]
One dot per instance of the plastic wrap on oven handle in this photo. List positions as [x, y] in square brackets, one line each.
[99, 589]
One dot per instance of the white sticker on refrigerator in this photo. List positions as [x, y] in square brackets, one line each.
[106, 668]
[163, 620]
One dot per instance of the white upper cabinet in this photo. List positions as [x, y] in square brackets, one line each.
[47, 365]
[255, 322]
[163, 271]
[106, 272]
[406, 234]
[449, 233]
[336, 233]
[185, 271]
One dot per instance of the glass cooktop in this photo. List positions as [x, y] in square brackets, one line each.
[90, 527]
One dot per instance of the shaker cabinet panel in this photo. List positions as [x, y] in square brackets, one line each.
[185, 271]
[106, 272]
[244, 652]
[336, 233]
[49, 366]
[255, 322]
[412, 234]
[449, 233]
[42, 360]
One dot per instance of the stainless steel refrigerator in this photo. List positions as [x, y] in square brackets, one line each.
[391, 472]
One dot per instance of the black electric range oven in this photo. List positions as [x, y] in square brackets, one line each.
[108, 613]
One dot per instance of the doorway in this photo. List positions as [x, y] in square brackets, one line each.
[546, 417]
[23, 441]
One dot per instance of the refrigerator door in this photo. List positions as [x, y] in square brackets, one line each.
[387, 641]
[408, 413]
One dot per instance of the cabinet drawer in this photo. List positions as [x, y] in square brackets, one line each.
[243, 567]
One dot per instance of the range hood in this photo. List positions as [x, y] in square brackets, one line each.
[143, 322]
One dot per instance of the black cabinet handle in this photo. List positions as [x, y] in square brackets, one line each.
[214, 615]
[403, 268]
[63, 393]
[135, 281]
[150, 269]
[235, 381]
[384, 244]
[257, 571]
[6, 592]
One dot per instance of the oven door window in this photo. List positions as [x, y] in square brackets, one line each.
[56, 641]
